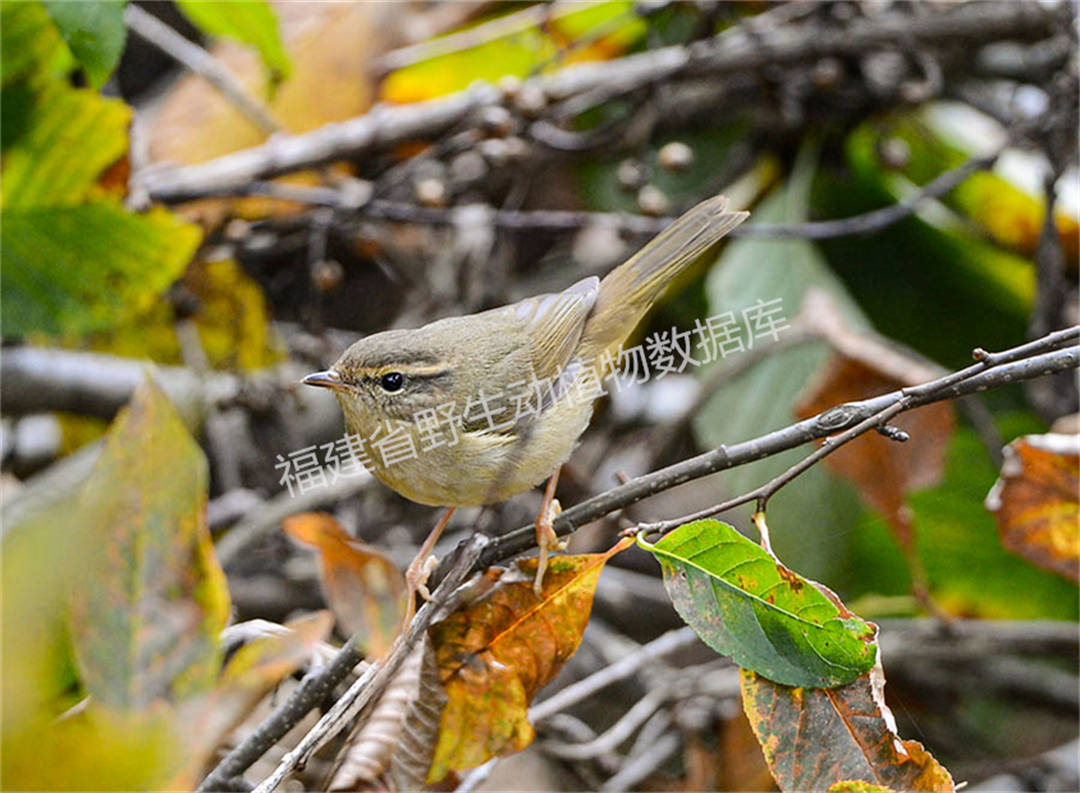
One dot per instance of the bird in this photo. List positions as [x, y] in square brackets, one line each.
[533, 360]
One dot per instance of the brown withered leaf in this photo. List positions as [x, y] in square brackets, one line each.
[813, 738]
[416, 747]
[397, 742]
[496, 653]
[1035, 501]
[365, 590]
[883, 471]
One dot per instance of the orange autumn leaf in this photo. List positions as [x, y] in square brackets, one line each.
[495, 654]
[1035, 501]
[365, 590]
[814, 738]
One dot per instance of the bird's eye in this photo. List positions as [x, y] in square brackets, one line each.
[392, 381]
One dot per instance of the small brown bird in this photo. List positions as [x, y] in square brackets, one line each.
[493, 403]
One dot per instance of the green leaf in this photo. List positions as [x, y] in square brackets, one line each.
[74, 259]
[63, 140]
[746, 605]
[253, 23]
[94, 31]
[84, 267]
[30, 44]
[146, 617]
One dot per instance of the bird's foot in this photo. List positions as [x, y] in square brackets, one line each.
[547, 540]
[417, 574]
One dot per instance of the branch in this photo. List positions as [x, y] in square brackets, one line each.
[736, 51]
[370, 686]
[198, 60]
[551, 220]
[970, 380]
[313, 689]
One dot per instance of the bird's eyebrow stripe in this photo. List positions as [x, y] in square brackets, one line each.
[409, 370]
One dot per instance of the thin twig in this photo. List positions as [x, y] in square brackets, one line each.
[562, 220]
[371, 685]
[610, 739]
[905, 401]
[620, 670]
[313, 689]
[639, 767]
[385, 127]
[198, 60]
[820, 426]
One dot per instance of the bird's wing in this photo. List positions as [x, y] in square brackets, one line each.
[554, 323]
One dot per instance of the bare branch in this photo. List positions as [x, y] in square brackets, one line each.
[371, 685]
[198, 60]
[733, 52]
[824, 424]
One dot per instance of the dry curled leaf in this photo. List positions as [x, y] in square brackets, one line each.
[367, 754]
[813, 738]
[1035, 501]
[416, 746]
[364, 588]
[496, 653]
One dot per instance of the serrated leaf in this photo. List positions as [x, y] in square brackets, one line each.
[815, 738]
[495, 654]
[364, 588]
[745, 604]
[94, 31]
[253, 22]
[146, 617]
[1035, 502]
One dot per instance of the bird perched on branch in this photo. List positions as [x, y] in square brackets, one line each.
[491, 404]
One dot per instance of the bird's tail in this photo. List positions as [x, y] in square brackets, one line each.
[629, 291]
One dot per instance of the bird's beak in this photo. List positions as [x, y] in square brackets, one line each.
[328, 379]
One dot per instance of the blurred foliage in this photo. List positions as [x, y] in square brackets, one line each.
[120, 576]
[535, 40]
[94, 31]
[252, 22]
[74, 258]
[970, 571]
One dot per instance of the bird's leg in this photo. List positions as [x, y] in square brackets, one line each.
[546, 538]
[418, 571]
